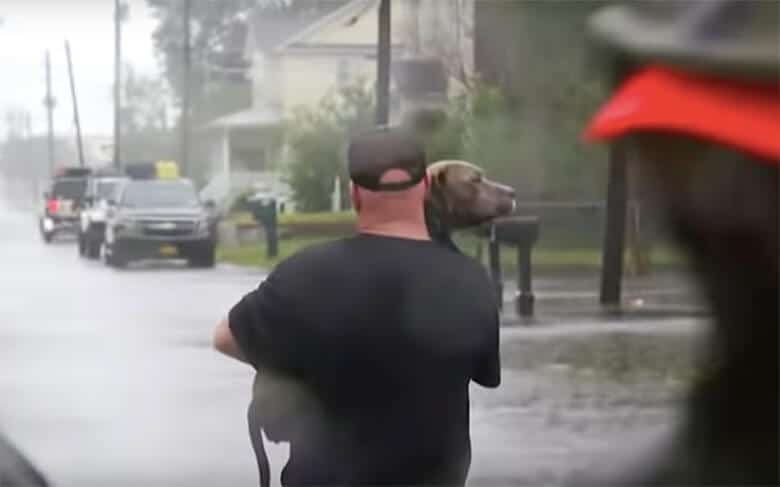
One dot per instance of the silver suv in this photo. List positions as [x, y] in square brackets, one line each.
[92, 222]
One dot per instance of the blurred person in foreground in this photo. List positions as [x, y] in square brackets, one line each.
[16, 470]
[383, 331]
[698, 108]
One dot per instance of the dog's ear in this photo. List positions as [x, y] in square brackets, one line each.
[441, 177]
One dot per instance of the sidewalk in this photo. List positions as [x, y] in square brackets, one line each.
[655, 337]
[574, 297]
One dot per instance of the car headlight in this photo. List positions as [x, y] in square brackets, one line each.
[202, 226]
[98, 215]
[126, 225]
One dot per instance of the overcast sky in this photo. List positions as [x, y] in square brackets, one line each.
[30, 27]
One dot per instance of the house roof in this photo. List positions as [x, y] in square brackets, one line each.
[269, 29]
[245, 119]
[352, 10]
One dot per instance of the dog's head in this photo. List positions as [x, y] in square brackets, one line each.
[461, 196]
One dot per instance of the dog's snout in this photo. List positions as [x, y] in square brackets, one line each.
[507, 191]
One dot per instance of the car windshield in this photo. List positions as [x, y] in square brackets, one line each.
[106, 189]
[69, 189]
[156, 194]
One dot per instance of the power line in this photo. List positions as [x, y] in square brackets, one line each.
[187, 90]
[383, 64]
[49, 102]
[118, 14]
[75, 104]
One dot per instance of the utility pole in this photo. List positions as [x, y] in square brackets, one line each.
[117, 82]
[29, 149]
[186, 102]
[75, 104]
[49, 104]
[383, 65]
[615, 227]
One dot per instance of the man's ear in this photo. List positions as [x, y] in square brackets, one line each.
[355, 195]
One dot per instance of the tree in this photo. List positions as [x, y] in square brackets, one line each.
[145, 110]
[145, 103]
[536, 54]
[317, 139]
[445, 31]
[218, 80]
[218, 31]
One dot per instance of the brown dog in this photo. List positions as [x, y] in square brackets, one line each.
[459, 197]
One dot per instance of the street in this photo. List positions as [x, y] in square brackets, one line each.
[109, 379]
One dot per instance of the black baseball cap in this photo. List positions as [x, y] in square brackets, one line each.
[371, 154]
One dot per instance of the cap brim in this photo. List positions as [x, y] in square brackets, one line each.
[742, 115]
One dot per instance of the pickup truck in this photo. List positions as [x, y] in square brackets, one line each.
[62, 202]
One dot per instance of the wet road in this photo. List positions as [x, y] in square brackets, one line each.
[107, 379]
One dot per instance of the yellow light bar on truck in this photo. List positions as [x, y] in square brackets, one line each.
[167, 170]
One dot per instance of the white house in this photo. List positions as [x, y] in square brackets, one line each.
[296, 60]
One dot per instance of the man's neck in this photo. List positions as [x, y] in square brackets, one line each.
[395, 229]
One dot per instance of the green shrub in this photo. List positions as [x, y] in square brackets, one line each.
[317, 218]
[317, 140]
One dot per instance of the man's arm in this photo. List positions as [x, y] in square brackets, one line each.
[225, 342]
[488, 367]
[255, 329]
[487, 371]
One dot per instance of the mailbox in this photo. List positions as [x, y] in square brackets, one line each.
[521, 232]
[264, 212]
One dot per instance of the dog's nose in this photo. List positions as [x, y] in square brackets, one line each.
[511, 193]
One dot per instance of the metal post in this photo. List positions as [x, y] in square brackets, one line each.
[117, 82]
[186, 101]
[617, 205]
[383, 64]
[524, 300]
[494, 257]
[272, 238]
[615, 232]
[75, 104]
[49, 103]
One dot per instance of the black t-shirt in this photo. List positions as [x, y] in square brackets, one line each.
[386, 333]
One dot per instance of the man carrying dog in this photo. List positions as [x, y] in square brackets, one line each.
[383, 332]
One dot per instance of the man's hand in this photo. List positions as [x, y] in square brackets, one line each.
[225, 342]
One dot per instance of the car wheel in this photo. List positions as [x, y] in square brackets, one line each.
[93, 249]
[115, 259]
[82, 245]
[46, 236]
[204, 260]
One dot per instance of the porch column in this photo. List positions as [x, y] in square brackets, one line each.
[225, 155]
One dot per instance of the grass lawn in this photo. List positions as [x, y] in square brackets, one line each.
[543, 259]
[255, 255]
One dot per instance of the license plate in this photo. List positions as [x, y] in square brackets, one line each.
[65, 208]
[168, 250]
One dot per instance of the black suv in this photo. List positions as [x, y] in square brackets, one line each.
[159, 218]
[62, 202]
